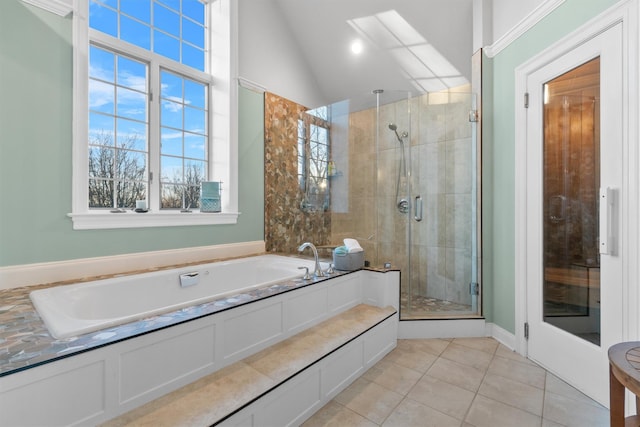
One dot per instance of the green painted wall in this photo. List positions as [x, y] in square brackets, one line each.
[35, 155]
[499, 199]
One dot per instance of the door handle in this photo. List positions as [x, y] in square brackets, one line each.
[607, 218]
[418, 209]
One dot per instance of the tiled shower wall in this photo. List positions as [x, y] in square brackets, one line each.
[286, 225]
[440, 160]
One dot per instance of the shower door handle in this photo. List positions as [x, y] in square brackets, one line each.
[608, 223]
[418, 209]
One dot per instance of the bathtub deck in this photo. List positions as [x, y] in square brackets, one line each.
[213, 398]
[25, 341]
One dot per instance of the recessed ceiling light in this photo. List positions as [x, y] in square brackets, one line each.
[356, 47]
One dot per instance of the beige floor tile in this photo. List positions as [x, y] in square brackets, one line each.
[570, 412]
[441, 396]
[488, 345]
[434, 346]
[411, 358]
[393, 376]
[487, 412]
[511, 391]
[457, 374]
[507, 353]
[557, 386]
[467, 356]
[411, 413]
[549, 423]
[524, 372]
[334, 414]
[514, 393]
[369, 399]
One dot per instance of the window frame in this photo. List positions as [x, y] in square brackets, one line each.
[223, 134]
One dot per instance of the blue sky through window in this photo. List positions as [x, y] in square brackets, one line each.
[171, 28]
[120, 83]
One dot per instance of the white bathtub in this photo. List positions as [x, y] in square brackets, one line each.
[77, 309]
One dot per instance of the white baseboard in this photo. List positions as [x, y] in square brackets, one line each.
[49, 272]
[502, 335]
[458, 328]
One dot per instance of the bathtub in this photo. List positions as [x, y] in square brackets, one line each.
[76, 309]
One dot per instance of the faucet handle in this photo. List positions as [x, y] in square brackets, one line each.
[330, 270]
[306, 276]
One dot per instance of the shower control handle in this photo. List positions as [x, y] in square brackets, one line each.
[418, 209]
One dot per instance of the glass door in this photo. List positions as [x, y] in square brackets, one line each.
[571, 174]
[574, 182]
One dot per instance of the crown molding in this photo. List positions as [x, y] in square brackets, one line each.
[59, 7]
[522, 27]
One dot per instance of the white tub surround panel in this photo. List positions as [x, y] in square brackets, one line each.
[117, 378]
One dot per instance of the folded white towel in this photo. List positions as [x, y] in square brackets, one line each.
[352, 246]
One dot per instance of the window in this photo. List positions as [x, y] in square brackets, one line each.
[314, 166]
[146, 129]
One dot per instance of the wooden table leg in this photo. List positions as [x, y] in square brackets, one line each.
[616, 400]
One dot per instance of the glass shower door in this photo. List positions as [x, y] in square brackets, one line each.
[443, 223]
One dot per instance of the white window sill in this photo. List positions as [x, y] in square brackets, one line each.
[131, 219]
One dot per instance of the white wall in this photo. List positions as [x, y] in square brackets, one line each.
[271, 57]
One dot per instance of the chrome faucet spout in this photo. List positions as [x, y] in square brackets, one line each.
[317, 270]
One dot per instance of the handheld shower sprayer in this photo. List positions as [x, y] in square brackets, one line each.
[394, 128]
[402, 204]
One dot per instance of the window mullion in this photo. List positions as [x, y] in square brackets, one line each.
[154, 135]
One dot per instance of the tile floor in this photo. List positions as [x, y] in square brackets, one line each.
[468, 382]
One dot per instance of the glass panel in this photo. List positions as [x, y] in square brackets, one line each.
[570, 205]
[403, 182]
[171, 115]
[172, 196]
[132, 74]
[193, 57]
[195, 146]
[195, 94]
[166, 20]
[194, 120]
[100, 193]
[101, 96]
[129, 192]
[139, 9]
[103, 19]
[132, 135]
[101, 64]
[135, 32]
[193, 33]
[194, 9]
[171, 142]
[131, 104]
[171, 169]
[101, 129]
[166, 45]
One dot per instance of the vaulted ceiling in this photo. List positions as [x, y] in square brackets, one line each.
[414, 45]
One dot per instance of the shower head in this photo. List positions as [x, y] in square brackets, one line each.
[394, 128]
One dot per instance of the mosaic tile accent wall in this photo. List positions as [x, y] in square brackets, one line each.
[286, 225]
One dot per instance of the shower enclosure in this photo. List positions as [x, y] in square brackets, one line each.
[403, 178]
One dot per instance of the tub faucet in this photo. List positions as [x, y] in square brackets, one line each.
[317, 271]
